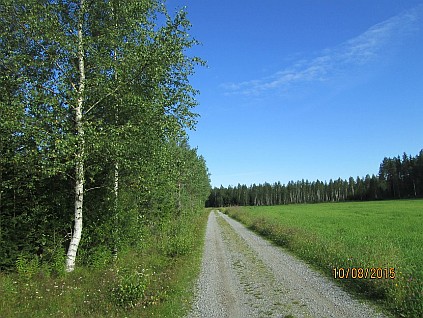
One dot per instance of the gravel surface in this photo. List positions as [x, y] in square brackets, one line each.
[244, 275]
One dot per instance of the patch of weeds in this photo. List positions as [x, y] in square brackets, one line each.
[177, 237]
[8, 285]
[130, 289]
[268, 313]
[100, 258]
[27, 266]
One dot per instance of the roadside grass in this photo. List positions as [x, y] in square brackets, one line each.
[368, 235]
[155, 279]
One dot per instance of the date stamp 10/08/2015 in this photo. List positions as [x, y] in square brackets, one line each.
[363, 273]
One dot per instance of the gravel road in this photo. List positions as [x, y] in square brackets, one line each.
[244, 275]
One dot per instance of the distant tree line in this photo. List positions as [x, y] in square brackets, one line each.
[398, 178]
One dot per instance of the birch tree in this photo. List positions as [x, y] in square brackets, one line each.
[80, 145]
[100, 87]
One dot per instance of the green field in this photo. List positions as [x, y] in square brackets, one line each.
[368, 235]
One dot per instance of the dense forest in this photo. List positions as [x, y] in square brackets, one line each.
[95, 102]
[398, 178]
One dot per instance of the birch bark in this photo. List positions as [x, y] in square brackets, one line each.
[79, 167]
[116, 166]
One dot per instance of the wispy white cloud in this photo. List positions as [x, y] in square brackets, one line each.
[360, 50]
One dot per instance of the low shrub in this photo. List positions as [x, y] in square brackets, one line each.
[27, 266]
[130, 289]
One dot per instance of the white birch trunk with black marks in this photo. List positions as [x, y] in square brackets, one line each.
[116, 168]
[79, 166]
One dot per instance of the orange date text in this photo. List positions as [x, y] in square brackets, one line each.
[363, 273]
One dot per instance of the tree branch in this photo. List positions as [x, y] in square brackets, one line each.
[101, 99]
[94, 188]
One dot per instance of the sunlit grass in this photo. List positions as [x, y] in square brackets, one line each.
[383, 234]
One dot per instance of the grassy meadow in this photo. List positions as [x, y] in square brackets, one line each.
[368, 235]
[154, 279]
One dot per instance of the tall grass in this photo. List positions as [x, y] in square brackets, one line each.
[155, 278]
[383, 234]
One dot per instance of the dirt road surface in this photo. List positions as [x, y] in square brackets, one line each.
[244, 275]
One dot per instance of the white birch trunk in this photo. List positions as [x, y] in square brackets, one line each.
[116, 216]
[79, 167]
[116, 174]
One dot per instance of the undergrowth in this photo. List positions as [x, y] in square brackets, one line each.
[155, 278]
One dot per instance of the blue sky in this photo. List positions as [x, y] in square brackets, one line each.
[306, 89]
